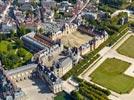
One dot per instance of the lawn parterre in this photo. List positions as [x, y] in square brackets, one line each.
[110, 75]
[127, 48]
[13, 56]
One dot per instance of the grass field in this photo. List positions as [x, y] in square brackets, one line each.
[3, 46]
[127, 48]
[110, 75]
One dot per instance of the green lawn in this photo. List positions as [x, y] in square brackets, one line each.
[10, 57]
[127, 48]
[3, 46]
[110, 75]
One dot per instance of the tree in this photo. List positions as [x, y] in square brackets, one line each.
[0, 37]
[77, 95]
[21, 52]
[40, 30]
[13, 33]
[19, 43]
[8, 59]
[114, 3]
[22, 31]
[9, 47]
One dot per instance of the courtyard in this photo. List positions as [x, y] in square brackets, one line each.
[127, 48]
[110, 74]
[35, 89]
[75, 39]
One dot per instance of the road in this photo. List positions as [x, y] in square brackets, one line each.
[80, 11]
[5, 12]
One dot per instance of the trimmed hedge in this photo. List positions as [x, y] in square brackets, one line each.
[88, 90]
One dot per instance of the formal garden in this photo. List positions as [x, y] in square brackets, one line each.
[127, 48]
[110, 74]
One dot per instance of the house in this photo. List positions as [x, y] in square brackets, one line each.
[26, 7]
[89, 15]
[2, 8]
[6, 28]
[48, 4]
[26, 1]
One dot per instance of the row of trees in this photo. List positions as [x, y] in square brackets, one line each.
[106, 8]
[90, 91]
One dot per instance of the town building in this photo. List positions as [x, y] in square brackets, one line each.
[2, 8]
[6, 28]
[8, 90]
[90, 15]
[27, 1]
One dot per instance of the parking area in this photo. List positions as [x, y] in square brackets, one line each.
[35, 89]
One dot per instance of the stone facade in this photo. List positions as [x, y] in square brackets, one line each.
[54, 83]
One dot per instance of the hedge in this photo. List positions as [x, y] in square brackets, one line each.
[89, 90]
